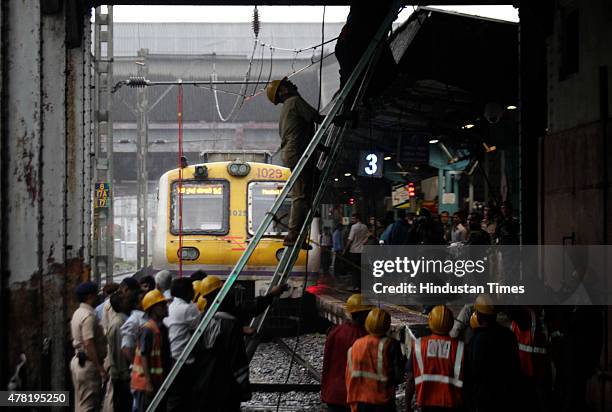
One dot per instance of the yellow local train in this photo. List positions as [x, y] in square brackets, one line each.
[223, 204]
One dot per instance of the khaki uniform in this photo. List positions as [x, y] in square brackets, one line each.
[86, 379]
[296, 129]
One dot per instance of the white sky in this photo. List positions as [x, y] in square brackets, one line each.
[275, 13]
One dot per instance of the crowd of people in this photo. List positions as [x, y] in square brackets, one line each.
[127, 338]
[484, 358]
[341, 249]
[488, 358]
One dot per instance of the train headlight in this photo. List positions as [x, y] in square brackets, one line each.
[238, 169]
[188, 253]
[201, 172]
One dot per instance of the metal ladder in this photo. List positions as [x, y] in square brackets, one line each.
[333, 140]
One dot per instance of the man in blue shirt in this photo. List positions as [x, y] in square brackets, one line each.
[338, 247]
[399, 232]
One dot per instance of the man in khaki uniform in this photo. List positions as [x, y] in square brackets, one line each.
[296, 128]
[89, 344]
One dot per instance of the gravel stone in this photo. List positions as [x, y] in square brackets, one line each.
[270, 364]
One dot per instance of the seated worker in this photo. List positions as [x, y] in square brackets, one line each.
[435, 369]
[375, 366]
[339, 340]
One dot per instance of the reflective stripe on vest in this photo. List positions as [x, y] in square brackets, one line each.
[138, 380]
[452, 380]
[532, 348]
[380, 373]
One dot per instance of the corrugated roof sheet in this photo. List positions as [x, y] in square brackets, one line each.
[221, 38]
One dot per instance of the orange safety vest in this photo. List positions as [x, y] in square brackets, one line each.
[438, 376]
[139, 382]
[367, 372]
[532, 347]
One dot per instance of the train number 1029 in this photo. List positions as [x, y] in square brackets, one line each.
[269, 173]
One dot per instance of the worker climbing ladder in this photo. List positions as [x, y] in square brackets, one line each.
[334, 139]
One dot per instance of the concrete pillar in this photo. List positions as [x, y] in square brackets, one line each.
[44, 188]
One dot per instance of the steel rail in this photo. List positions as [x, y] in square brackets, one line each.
[311, 370]
[285, 387]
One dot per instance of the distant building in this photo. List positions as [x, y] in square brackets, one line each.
[199, 51]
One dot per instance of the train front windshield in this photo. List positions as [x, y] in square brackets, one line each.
[261, 197]
[204, 208]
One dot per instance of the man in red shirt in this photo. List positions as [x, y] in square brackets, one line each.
[339, 339]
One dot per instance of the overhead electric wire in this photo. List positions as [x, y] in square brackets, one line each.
[242, 95]
[261, 65]
[297, 51]
[242, 89]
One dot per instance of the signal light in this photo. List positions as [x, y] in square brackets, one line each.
[351, 201]
[200, 172]
[188, 253]
[238, 169]
[411, 191]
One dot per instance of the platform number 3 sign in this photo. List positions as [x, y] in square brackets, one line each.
[370, 164]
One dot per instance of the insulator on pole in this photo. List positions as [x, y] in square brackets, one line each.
[137, 81]
[256, 22]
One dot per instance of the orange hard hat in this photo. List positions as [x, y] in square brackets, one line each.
[440, 320]
[378, 322]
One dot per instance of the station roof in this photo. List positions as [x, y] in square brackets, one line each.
[450, 65]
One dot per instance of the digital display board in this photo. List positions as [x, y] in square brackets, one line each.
[204, 189]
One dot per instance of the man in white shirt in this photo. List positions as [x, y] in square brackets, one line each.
[182, 320]
[326, 250]
[131, 328]
[163, 280]
[459, 232]
[358, 236]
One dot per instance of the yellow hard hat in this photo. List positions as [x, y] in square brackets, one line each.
[484, 304]
[355, 303]
[152, 298]
[378, 322]
[474, 321]
[196, 289]
[440, 320]
[202, 302]
[271, 90]
[209, 285]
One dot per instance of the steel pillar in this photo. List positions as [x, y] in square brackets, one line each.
[142, 149]
[103, 238]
